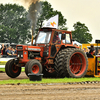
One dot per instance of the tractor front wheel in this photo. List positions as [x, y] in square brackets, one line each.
[12, 70]
[33, 67]
[26, 67]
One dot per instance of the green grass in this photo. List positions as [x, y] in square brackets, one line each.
[48, 80]
[3, 62]
[3, 69]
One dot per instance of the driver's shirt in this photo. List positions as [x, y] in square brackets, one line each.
[55, 39]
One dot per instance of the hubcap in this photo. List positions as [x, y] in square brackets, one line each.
[35, 69]
[15, 69]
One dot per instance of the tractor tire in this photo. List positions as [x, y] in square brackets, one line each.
[6, 68]
[12, 70]
[34, 67]
[76, 63]
[59, 64]
[26, 67]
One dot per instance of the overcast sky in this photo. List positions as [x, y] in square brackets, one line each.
[85, 11]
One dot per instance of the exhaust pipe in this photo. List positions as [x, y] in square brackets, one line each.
[32, 37]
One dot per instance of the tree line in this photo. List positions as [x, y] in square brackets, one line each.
[15, 26]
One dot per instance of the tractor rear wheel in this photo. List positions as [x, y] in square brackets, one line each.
[34, 67]
[76, 63]
[59, 64]
[12, 70]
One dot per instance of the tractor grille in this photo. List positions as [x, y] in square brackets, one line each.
[20, 54]
[32, 54]
[19, 47]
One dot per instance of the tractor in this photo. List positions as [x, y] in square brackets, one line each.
[52, 57]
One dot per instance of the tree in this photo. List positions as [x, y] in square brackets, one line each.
[14, 26]
[81, 33]
[48, 12]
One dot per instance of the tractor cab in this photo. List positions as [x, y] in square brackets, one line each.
[49, 36]
[53, 40]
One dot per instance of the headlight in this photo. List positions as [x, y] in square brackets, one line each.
[21, 55]
[19, 47]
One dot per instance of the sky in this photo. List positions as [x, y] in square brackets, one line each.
[85, 11]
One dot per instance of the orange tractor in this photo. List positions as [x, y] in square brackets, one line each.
[52, 54]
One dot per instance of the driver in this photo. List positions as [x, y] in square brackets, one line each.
[92, 50]
[56, 38]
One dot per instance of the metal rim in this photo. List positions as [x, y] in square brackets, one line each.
[77, 64]
[35, 69]
[15, 69]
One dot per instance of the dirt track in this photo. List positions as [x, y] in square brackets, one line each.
[49, 91]
[3, 76]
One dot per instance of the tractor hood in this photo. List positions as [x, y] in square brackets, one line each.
[29, 48]
[33, 48]
[24, 51]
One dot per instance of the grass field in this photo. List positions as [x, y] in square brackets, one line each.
[3, 69]
[3, 62]
[49, 80]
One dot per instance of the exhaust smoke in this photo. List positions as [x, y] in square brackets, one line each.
[33, 12]
[34, 7]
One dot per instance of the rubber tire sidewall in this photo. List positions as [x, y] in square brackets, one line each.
[26, 67]
[32, 63]
[6, 68]
[9, 71]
